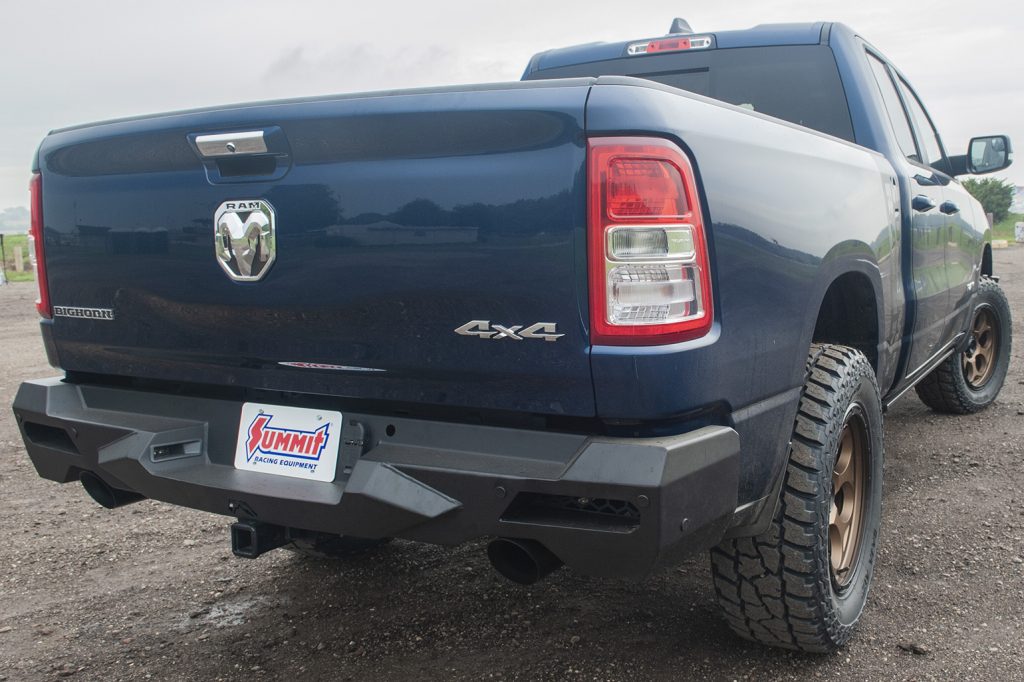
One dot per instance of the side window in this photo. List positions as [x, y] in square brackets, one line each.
[893, 106]
[926, 135]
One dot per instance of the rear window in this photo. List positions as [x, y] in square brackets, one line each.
[797, 83]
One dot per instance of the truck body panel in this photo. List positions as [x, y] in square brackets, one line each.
[774, 258]
[399, 219]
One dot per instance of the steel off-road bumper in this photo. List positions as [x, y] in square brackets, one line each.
[604, 506]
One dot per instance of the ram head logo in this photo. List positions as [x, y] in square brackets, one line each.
[245, 240]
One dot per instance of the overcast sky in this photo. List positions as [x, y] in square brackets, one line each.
[71, 62]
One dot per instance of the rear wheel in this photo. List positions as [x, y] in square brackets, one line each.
[803, 583]
[969, 381]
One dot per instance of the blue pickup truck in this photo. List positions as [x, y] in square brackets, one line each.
[651, 300]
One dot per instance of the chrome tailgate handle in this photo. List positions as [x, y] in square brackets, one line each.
[231, 144]
[243, 155]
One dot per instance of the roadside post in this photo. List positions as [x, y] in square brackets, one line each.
[3, 262]
[1018, 232]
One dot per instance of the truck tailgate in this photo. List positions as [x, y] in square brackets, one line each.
[398, 219]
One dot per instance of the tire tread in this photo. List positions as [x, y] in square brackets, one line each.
[944, 389]
[773, 588]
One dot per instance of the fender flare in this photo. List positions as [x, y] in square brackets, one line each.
[843, 259]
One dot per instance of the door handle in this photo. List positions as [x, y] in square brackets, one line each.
[922, 203]
[949, 208]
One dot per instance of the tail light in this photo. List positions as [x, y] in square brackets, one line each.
[649, 273]
[35, 233]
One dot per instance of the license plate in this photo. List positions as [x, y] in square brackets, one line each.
[288, 441]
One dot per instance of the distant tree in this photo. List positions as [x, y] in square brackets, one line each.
[14, 219]
[995, 195]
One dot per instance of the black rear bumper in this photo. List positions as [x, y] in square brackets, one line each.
[604, 506]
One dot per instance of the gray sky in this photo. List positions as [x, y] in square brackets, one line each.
[71, 62]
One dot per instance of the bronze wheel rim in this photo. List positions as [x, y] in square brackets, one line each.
[849, 491]
[979, 360]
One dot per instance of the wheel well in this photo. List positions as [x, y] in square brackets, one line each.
[849, 315]
[986, 261]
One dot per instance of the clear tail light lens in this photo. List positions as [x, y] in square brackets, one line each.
[35, 188]
[649, 272]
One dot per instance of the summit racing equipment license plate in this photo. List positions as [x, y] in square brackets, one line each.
[288, 441]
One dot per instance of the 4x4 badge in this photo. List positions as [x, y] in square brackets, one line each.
[516, 332]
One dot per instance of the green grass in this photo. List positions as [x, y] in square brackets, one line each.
[11, 241]
[1004, 228]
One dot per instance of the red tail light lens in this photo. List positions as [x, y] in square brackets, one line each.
[650, 278]
[35, 188]
[646, 188]
[670, 45]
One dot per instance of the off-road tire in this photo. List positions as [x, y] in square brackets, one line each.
[778, 588]
[946, 388]
[326, 546]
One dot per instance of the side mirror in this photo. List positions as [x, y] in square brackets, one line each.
[989, 154]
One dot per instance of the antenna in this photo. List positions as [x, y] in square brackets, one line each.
[680, 26]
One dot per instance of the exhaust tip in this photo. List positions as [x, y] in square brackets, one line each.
[103, 494]
[521, 561]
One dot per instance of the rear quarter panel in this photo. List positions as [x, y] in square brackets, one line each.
[789, 210]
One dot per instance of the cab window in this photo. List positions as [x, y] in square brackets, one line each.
[894, 108]
[927, 138]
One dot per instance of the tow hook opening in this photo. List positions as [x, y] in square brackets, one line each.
[104, 494]
[250, 539]
[522, 561]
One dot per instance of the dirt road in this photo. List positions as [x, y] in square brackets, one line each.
[152, 592]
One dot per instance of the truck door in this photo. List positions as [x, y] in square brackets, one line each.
[963, 231]
[924, 193]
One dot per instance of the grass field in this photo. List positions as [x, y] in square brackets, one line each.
[10, 242]
[1004, 228]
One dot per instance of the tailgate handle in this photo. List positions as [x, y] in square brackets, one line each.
[243, 155]
[232, 144]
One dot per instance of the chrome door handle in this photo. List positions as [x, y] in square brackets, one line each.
[922, 203]
[949, 208]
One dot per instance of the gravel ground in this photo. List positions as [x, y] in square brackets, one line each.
[152, 591]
